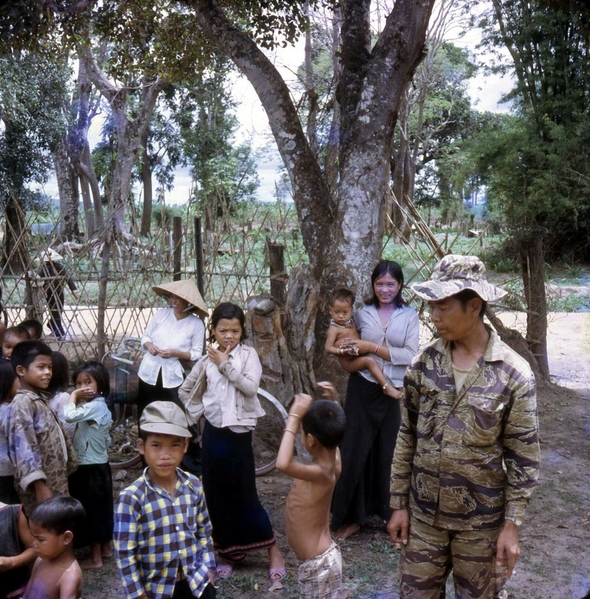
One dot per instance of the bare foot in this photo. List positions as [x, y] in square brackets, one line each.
[89, 564]
[106, 549]
[346, 531]
[277, 564]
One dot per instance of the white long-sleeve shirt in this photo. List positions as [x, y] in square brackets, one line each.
[165, 331]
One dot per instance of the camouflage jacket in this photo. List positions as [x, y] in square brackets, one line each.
[38, 447]
[466, 459]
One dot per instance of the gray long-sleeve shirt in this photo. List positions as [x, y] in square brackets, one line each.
[400, 336]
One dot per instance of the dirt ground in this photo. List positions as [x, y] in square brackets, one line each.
[555, 559]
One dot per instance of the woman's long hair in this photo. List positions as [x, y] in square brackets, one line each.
[395, 270]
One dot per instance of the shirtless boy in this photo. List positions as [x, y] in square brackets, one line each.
[342, 326]
[56, 573]
[307, 510]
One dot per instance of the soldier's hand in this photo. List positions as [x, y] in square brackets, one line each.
[507, 547]
[398, 527]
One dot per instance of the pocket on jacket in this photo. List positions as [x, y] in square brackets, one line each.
[484, 422]
[425, 424]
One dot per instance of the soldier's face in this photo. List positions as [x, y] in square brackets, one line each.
[452, 320]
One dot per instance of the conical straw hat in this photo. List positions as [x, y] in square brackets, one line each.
[187, 290]
[51, 255]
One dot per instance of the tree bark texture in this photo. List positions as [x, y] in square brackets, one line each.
[130, 131]
[266, 335]
[533, 276]
[341, 228]
[148, 193]
[69, 196]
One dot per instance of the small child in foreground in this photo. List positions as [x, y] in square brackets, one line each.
[342, 326]
[56, 573]
[307, 510]
[163, 539]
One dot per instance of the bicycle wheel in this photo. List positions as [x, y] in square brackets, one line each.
[123, 452]
[266, 438]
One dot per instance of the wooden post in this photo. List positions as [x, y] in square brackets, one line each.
[177, 243]
[278, 276]
[102, 295]
[199, 255]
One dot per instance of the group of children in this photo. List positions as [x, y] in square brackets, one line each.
[53, 465]
[57, 463]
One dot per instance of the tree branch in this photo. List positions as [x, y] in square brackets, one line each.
[309, 188]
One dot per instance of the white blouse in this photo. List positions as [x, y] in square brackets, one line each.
[165, 331]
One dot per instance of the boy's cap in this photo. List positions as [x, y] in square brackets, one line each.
[164, 418]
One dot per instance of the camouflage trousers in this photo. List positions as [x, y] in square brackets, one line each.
[431, 554]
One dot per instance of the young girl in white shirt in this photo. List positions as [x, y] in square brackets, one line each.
[223, 386]
[92, 483]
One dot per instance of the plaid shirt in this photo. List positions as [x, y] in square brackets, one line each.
[156, 535]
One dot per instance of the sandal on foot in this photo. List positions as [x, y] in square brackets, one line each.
[277, 574]
[224, 571]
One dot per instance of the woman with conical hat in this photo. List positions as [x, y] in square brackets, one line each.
[172, 334]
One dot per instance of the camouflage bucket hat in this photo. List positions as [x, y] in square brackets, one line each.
[454, 274]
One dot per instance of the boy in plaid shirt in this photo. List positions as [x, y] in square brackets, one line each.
[162, 531]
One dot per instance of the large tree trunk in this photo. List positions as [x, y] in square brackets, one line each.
[130, 131]
[148, 194]
[532, 256]
[89, 175]
[341, 228]
[69, 197]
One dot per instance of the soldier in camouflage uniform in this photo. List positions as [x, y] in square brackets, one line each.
[467, 455]
[42, 454]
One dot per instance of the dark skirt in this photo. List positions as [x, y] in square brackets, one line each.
[240, 523]
[92, 486]
[372, 424]
[8, 493]
[147, 393]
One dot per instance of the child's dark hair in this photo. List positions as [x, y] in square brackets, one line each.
[325, 421]
[59, 514]
[7, 377]
[98, 371]
[395, 270]
[228, 311]
[18, 331]
[60, 375]
[32, 325]
[25, 352]
[342, 295]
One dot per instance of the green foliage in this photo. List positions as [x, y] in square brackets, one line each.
[33, 96]
[538, 166]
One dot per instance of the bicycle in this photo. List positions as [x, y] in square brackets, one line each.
[266, 437]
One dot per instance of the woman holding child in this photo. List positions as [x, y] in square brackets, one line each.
[223, 386]
[389, 332]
